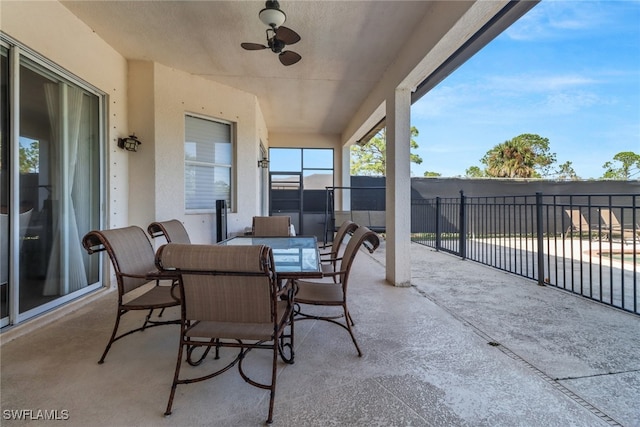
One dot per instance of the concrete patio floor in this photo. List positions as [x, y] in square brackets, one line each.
[465, 345]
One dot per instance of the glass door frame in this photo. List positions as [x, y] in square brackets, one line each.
[303, 162]
[296, 220]
[15, 52]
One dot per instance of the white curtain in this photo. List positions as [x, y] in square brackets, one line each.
[69, 172]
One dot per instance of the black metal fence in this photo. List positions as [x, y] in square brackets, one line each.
[585, 244]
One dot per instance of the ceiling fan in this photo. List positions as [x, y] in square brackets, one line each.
[278, 37]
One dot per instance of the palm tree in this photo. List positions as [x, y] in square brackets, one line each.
[520, 157]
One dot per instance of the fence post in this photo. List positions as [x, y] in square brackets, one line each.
[463, 227]
[540, 235]
[438, 241]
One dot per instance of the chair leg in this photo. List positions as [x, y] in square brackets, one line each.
[175, 380]
[347, 317]
[285, 342]
[147, 319]
[195, 362]
[274, 372]
[113, 336]
[350, 319]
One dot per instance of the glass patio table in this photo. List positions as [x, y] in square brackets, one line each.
[295, 257]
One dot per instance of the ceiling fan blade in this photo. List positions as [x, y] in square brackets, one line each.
[253, 46]
[289, 57]
[287, 35]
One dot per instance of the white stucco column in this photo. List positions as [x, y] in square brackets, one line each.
[342, 197]
[398, 188]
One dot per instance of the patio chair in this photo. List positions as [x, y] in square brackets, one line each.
[266, 226]
[580, 225]
[172, 230]
[133, 260]
[611, 223]
[329, 259]
[230, 298]
[325, 293]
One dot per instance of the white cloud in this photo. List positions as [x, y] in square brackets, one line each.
[442, 100]
[497, 98]
[552, 19]
[568, 103]
[527, 83]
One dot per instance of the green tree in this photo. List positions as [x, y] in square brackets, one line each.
[30, 158]
[624, 166]
[432, 174]
[370, 159]
[525, 156]
[565, 172]
[474, 172]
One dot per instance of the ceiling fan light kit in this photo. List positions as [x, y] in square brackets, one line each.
[271, 15]
[278, 37]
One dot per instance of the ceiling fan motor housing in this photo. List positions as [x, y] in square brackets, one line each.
[276, 45]
[271, 15]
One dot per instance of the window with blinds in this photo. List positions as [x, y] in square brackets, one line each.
[207, 163]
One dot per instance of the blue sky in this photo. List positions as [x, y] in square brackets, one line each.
[568, 71]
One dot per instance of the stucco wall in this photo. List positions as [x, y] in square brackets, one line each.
[52, 31]
[177, 93]
[151, 100]
[142, 194]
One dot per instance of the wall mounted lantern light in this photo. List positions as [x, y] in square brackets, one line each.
[264, 163]
[129, 143]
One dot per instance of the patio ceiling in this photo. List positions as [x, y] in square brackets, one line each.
[346, 48]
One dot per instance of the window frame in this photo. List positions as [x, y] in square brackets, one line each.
[231, 166]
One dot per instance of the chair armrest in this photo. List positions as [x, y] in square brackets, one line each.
[93, 243]
[287, 289]
[329, 260]
[175, 293]
[159, 275]
[334, 274]
[146, 276]
[172, 275]
[155, 230]
[328, 254]
[327, 257]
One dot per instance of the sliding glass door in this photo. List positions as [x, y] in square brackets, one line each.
[298, 181]
[4, 186]
[50, 187]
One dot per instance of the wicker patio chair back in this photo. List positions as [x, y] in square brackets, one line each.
[331, 258]
[172, 230]
[267, 226]
[130, 252]
[347, 227]
[222, 283]
[362, 236]
[133, 261]
[230, 298]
